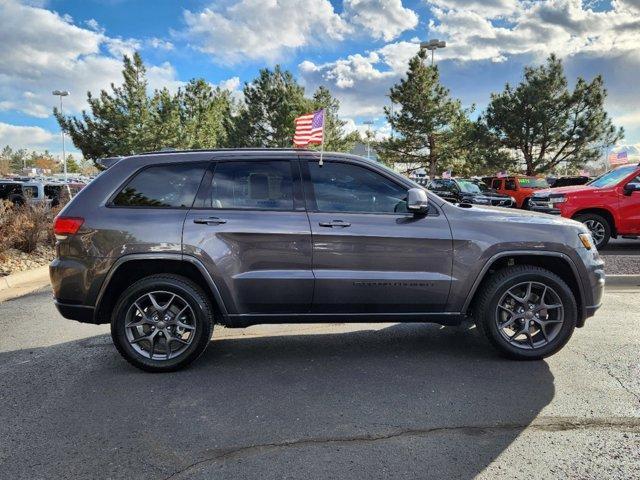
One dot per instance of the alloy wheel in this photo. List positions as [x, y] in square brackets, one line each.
[529, 315]
[597, 230]
[160, 325]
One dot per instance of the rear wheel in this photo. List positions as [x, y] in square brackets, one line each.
[162, 323]
[526, 312]
[598, 226]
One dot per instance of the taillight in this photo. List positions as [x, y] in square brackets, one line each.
[67, 225]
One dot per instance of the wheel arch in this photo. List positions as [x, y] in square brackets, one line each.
[130, 268]
[555, 262]
[603, 212]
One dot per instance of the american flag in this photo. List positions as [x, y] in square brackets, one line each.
[309, 129]
[619, 158]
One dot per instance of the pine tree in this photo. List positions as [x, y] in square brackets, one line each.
[423, 124]
[271, 103]
[548, 124]
[119, 122]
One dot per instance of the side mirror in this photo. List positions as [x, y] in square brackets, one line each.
[417, 201]
[631, 187]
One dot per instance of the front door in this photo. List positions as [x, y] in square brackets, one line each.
[251, 231]
[629, 209]
[369, 254]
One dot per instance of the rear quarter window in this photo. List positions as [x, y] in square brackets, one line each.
[162, 186]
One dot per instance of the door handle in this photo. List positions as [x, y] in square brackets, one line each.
[335, 223]
[209, 220]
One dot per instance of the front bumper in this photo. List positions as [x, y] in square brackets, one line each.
[543, 207]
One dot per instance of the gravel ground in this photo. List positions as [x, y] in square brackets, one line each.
[17, 261]
[622, 264]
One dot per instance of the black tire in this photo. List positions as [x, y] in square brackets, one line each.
[592, 221]
[187, 291]
[525, 204]
[503, 280]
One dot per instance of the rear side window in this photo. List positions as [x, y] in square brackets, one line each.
[255, 185]
[496, 184]
[163, 186]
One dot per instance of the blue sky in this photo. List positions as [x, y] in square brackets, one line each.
[357, 48]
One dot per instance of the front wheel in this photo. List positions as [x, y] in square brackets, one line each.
[598, 226]
[162, 323]
[526, 312]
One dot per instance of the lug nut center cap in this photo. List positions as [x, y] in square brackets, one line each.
[162, 325]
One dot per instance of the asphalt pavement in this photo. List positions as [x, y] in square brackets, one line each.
[319, 402]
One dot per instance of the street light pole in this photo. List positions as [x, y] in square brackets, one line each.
[62, 93]
[368, 122]
[432, 45]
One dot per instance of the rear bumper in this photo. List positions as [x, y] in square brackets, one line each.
[80, 313]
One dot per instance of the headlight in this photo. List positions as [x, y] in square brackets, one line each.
[557, 199]
[513, 199]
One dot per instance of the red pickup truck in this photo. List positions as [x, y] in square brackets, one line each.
[520, 188]
[609, 205]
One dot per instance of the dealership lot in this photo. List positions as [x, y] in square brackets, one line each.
[319, 401]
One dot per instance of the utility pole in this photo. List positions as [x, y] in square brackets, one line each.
[369, 123]
[62, 93]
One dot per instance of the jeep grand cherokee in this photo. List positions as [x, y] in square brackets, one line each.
[164, 245]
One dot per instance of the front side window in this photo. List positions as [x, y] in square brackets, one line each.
[496, 184]
[510, 184]
[255, 185]
[162, 186]
[341, 187]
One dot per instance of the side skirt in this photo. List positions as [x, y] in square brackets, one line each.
[246, 320]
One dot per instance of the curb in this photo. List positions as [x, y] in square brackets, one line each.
[40, 274]
[622, 280]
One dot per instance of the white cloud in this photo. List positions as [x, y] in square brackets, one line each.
[565, 27]
[24, 137]
[252, 29]
[232, 84]
[359, 81]
[42, 51]
[385, 19]
[160, 44]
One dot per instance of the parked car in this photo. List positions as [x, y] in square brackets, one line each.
[43, 192]
[12, 191]
[521, 188]
[467, 192]
[164, 245]
[609, 205]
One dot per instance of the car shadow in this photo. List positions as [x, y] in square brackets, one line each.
[407, 401]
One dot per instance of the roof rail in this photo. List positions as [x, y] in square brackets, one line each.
[108, 162]
[276, 149]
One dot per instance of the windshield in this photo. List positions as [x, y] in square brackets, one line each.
[613, 177]
[468, 187]
[533, 182]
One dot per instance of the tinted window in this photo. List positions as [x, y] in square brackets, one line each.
[436, 185]
[253, 185]
[162, 187]
[510, 184]
[496, 184]
[340, 187]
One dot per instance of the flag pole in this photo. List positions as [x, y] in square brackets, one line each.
[322, 142]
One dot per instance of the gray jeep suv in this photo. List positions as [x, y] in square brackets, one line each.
[163, 245]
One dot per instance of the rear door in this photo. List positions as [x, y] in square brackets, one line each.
[251, 231]
[369, 254]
